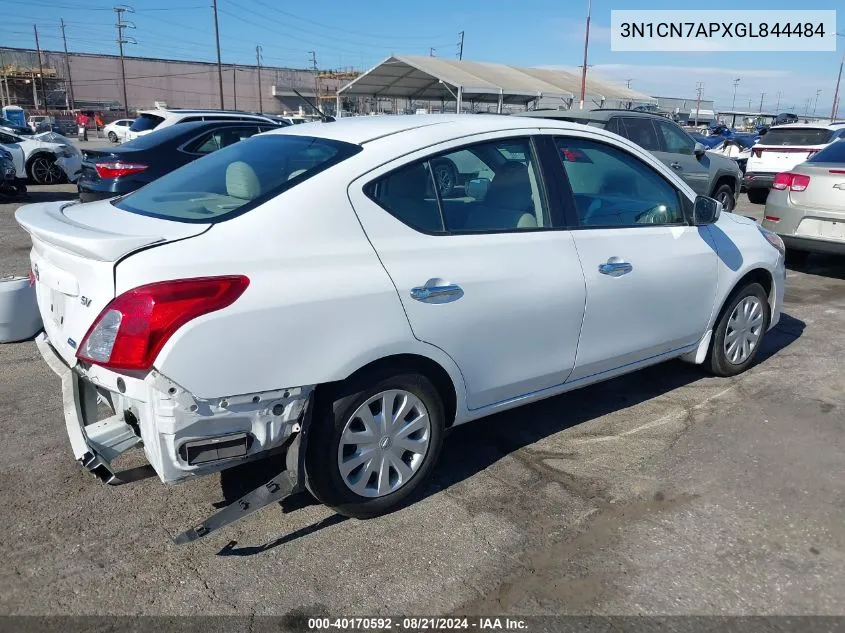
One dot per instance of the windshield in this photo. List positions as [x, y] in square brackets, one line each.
[797, 136]
[146, 122]
[235, 179]
[833, 153]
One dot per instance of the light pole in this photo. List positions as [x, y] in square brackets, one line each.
[733, 103]
[835, 110]
[586, 46]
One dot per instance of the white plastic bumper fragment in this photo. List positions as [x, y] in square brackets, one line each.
[19, 316]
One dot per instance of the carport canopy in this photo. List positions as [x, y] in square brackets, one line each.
[417, 77]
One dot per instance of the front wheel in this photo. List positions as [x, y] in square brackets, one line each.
[113, 137]
[725, 195]
[373, 441]
[43, 170]
[739, 331]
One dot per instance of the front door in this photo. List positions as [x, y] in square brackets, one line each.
[477, 270]
[677, 150]
[651, 279]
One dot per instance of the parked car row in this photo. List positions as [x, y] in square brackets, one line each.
[406, 307]
[39, 157]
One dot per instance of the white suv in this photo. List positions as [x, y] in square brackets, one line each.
[783, 148]
[149, 120]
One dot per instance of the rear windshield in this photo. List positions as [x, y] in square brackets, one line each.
[146, 122]
[833, 153]
[237, 178]
[797, 136]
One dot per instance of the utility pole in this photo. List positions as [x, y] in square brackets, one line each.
[67, 63]
[762, 94]
[219, 64]
[235, 86]
[316, 80]
[121, 41]
[586, 45]
[777, 107]
[736, 83]
[628, 83]
[461, 46]
[835, 109]
[258, 64]
[40, 73]
[698, 88]
[816, 104]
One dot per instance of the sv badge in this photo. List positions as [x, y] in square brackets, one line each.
[85, 301]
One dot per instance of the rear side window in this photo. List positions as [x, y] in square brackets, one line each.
[236, 179]
[220, 138]
[408, 195]
[797, 136]
[146, 122]
[833, 153]
[640, 131]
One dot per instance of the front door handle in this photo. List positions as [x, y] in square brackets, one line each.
[675, 165]
[615, 267]
[437, 291]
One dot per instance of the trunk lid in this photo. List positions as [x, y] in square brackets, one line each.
[91, 157]
[826, 190]
[75, 248]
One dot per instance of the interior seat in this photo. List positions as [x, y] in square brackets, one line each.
[242, 182]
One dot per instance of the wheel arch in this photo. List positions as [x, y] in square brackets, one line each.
[424, 365]
[36, 154]
[726, 179]
[757, 274]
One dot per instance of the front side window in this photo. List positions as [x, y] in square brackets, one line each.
[613, 188]
[640, 131]
[486, 187]
[675, 140]
[237, 178]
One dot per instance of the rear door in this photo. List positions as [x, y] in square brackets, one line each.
[651, 279]
[677, 150]
[481, 271]
[74, 251]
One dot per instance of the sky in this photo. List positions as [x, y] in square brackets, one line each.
[359, 34]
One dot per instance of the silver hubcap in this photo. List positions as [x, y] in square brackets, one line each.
[384, 443]
[745, 327]
[45, 172]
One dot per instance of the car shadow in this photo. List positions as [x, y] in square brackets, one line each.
[821, 264]
[35, 196]
[471, 448]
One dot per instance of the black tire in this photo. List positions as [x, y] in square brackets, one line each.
[42, 170]
[796, 258]
[757, 196]
[725, 195]
[717, 361]
[113, 137]
[333, 408]
[446, 177]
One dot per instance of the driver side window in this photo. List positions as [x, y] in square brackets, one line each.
[613, 188]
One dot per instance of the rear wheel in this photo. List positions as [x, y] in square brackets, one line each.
[739, 331]
[725, 195]
[446, 177]
[113, 137]
[757, 196]
[43, 170]
[373, 442]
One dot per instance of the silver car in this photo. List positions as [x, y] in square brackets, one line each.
[806, 206]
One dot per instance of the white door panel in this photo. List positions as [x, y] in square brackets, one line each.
[661, 305]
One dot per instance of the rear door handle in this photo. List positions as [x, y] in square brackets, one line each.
[615, 267]
[432, 292]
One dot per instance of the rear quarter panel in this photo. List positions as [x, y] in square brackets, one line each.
[319, 305]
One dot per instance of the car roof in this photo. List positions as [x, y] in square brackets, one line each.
[176, 112]
[818, 126]
[365, 129]
[598, 114]
[176, 132]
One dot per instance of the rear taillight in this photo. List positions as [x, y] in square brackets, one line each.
[117, 169]
[771, 218]
[837, 171]
[131, 330]
[757, 153]
[793, 182]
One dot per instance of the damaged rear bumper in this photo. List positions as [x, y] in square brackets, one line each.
[107, 414]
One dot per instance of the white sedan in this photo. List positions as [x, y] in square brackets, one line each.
[48, 158]
[116, 130]
[311, 289]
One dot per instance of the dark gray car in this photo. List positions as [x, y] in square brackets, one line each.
[708, 174]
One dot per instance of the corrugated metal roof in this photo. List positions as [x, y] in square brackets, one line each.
[417, 77]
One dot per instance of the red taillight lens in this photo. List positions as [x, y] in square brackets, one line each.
[837, 171]
[771, 218]
[131, 330]
[793, 182]
[117, 169]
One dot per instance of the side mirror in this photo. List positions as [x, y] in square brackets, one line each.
[699, 149]
[705, 211]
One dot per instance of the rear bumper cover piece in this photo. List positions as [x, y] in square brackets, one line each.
[156, 413]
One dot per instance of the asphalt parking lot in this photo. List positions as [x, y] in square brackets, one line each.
[662, 492]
